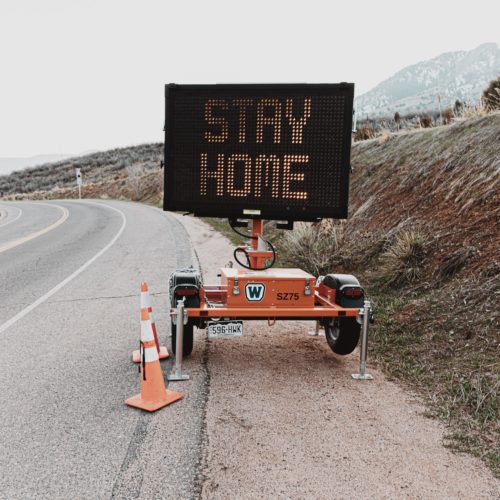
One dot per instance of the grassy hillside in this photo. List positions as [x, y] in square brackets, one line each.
[423, 236]
[114, 173]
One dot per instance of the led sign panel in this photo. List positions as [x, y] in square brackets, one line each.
[277, 152]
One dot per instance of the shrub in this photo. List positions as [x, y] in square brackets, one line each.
[135, 181]
[491, 95]
[448, 116]
[314, 247]
[404, 256]
[425, 121]
[365, 132]
[473, 110]
[397, 119]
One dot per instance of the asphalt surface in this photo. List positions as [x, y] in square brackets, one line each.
[69, 320]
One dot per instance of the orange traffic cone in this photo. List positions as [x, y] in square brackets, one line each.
[153, 394]
[146, 302]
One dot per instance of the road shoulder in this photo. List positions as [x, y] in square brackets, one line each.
[284, 418]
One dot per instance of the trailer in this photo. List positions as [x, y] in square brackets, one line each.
[251, 153]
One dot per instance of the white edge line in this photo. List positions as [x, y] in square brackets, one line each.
[72, 276]
[15, 218]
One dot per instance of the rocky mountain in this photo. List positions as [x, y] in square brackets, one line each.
[453, 75]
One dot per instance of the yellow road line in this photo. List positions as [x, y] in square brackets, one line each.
[72, 276]
[14, 219]
[32, 236]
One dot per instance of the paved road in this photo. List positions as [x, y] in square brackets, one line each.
[261, 416]
[69, 275]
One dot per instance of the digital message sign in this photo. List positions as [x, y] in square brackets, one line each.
[277, 152]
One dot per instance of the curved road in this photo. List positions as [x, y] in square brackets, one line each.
[273, 413]
[69, 319]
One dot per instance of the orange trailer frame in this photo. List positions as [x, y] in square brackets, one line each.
[214, 298]
[221, 302]
[322, 309]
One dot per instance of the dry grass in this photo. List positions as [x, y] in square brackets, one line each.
[134, 180]
[147, 188]
[476, 394]
[366, 131]
[450, 355]
[425, 121]
[404, 256]
[383, 127]
[491, 95]
[448, 116]
[473, 110]
[316, 248]
[97, 168]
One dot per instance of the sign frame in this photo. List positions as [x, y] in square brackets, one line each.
[252, 211]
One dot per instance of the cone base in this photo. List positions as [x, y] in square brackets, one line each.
[136, 355]
[138, 402]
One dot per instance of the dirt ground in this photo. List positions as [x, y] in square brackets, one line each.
[285, 419]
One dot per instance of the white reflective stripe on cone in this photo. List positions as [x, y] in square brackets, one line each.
[146, 331]
[145, 299]
[151, 354]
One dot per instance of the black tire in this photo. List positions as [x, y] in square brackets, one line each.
[342, 335]
[187, 344]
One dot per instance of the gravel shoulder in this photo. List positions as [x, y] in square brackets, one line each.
[285, 419]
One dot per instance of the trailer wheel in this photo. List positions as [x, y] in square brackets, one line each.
[187, 344]
[342, 335]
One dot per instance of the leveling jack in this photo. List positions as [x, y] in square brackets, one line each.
[181, 319]
[364, 315]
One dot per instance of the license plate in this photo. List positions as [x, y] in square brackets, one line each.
[220, 329]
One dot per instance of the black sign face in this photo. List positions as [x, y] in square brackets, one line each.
[279, 152]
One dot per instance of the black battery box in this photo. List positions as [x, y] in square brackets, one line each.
[185, 283]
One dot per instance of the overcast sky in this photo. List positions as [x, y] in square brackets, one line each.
[85, 75]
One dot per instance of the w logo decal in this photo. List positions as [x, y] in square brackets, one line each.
[254, 292]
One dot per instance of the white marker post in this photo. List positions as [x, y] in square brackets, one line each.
[79, 182]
